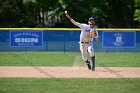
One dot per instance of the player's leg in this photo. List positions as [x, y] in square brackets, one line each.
[83, 49]
[92, 55]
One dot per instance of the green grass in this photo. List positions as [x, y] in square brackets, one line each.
[55, 85]
[127, 59]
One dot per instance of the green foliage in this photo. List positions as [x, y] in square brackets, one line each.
[137, 3]
[107, 13]
[50, 13]
[137, 15]
[47, 5]
[137, 11]
[10, 15]
[30, 17]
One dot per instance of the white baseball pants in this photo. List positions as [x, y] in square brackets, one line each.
[86, 47]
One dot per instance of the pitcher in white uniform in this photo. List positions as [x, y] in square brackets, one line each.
[88, 33]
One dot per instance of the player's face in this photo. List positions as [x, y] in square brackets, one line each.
[91, 23]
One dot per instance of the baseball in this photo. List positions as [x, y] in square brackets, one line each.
[65, 12]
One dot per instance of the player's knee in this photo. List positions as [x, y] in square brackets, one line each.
[92, 54]
[90, 49]
[84, 57]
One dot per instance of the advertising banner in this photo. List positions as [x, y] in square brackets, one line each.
[26, 38]
[119, 39]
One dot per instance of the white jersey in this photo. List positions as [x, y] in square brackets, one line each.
[84, 36]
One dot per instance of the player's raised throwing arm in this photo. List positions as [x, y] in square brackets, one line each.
[73, 21]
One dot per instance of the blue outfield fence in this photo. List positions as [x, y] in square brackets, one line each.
[67, 40]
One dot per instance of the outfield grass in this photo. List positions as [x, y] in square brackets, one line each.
[54, 85]
[127, 59]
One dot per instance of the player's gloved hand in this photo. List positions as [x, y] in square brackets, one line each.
[92, 33]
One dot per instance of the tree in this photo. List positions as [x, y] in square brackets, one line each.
[10, 15]
[107, 13]
[121, 13]
[30, 14]
[50, 13]
[137, 12]
[81, 10]
[46, 11]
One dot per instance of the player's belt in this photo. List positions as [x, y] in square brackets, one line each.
[85, 42]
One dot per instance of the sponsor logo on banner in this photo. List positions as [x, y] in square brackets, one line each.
[26, 38]
[119, 39]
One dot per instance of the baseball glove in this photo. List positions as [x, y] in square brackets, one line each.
[92, 33]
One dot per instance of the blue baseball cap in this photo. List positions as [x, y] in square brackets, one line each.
[90, 19]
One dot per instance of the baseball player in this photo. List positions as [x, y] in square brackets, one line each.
[88, 33]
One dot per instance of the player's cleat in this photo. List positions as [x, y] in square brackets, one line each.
[92, 68]
[88, 64]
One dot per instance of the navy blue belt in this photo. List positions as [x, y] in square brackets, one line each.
[85, 42]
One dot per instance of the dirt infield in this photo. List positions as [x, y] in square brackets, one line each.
[69, 72]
